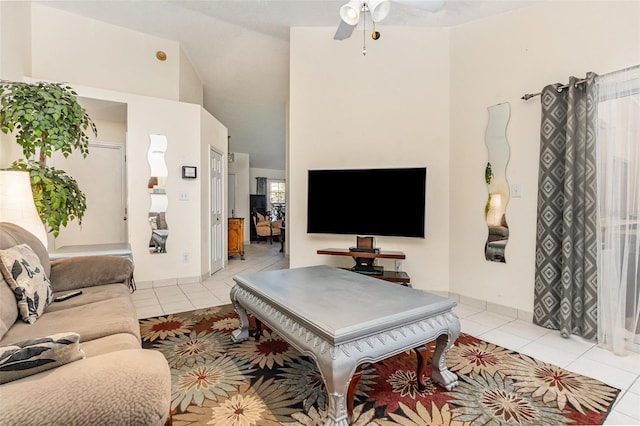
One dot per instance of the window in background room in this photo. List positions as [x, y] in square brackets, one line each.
[277, 199]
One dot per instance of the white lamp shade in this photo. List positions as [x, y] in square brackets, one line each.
[379, 9]
[495, 210]
[350, 12]
[16, 203]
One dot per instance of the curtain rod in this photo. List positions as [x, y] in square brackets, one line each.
[528, 96]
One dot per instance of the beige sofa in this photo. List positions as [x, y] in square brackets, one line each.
[117, 382]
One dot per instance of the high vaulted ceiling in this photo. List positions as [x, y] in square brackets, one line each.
[240, 50]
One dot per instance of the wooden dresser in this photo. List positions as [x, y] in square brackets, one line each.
[235, 243]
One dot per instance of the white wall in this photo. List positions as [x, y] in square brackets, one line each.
[388, 109]
[240, 167]
[212, 135]
[72, 48]
[498, 60]
[15, 40]
[92, 230]
[94, 58]
[15, 60]
[190, 130]
[110, 131]
[190, 88]
[180, 123]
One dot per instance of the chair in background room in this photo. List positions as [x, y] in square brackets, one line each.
[265, 227]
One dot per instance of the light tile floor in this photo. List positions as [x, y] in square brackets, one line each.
[574, 354]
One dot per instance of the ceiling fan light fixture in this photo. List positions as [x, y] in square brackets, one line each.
[350, 12]
[379, 9]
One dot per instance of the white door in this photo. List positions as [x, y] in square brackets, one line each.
[216, 216]
[101, 177]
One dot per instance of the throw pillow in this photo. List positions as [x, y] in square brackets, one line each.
[23, 272]
[29, 357]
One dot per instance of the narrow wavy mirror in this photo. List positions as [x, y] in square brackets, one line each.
[496, 179]
[158, 194]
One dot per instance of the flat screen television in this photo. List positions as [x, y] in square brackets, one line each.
[376, 202]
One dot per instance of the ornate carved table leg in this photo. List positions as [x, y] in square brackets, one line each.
[336, 376]
[242, 333]
[351, 393]
[440, 373]
[421, 353]
[258, 329]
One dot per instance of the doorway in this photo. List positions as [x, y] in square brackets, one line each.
[101, 176]
[216, 204]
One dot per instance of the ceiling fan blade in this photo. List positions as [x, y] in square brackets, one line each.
[428, 5]
[344, 31]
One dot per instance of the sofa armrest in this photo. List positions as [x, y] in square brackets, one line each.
[128, 387]
[88, 271]
[276, 224]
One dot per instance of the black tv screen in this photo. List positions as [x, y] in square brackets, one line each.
[385, 202]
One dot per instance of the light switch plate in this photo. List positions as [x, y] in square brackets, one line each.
[183, 196]
[516, 190]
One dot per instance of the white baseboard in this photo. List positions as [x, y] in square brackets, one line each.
[189, 280]
[167, 282]
[492, 307]
[142, 285]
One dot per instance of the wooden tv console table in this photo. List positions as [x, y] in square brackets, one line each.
[392, 276]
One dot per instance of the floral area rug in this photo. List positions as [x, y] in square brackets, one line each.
[268, 382]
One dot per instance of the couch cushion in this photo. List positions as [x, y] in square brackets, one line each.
[90, 295]
[130, 387]
[112, 343]
[91, 320]
[12, 235]
[24, 273]
[8, 307]
[28, 357]
[86, 271]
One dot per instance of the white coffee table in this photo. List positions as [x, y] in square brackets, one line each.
[342, 319]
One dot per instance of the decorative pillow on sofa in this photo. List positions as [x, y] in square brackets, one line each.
[29, 357]
[23, 272]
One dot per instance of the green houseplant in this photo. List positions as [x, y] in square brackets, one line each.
[488, 176]
[45, 118]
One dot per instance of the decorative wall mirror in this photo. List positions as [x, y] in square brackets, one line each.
[158, 194]
[496, 179]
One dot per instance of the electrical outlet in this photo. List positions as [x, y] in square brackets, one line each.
[185, 257]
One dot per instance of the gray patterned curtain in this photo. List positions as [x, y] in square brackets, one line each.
[261, 185]
[566, 239]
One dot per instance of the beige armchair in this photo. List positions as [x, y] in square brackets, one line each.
[265, 228]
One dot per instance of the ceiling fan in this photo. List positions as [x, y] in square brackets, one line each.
[377, 10]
